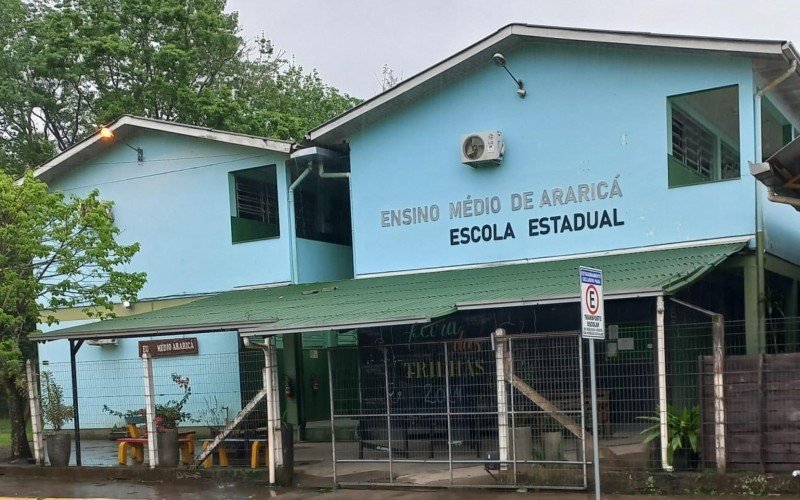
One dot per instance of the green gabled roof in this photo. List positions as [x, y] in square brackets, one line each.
[413, 298]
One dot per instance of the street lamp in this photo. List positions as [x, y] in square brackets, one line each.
[108, 134]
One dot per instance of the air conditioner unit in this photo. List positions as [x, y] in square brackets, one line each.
[482, 148]
[102, 342]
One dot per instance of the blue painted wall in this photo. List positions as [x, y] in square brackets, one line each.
[113, 376]
[320, 261]
[781, 229]
[590, 116]
[177, 206]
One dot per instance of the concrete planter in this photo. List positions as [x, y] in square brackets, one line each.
[168, 448]
[59, 447]
[553, 449]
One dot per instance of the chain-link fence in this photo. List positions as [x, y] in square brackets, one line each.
[441, 413]
[199, 394]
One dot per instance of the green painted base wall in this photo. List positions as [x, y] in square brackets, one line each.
[679, 175]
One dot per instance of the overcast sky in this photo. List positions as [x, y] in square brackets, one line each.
[349, 41]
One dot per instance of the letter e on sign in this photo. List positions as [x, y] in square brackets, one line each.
[593, 325]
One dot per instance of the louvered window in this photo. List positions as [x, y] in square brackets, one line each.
[256, 200]
[729, 162]
[692, 144]
[703, 137]
[254, 204]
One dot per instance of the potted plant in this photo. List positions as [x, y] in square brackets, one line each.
[167, 417]
[683, 430]
[56, 413]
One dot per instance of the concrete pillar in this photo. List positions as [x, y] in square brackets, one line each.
[501, 363]
[753, 308]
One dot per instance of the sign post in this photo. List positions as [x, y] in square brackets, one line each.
[593, 326]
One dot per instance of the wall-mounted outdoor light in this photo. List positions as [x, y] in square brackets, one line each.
[500, 60]
[108, 134]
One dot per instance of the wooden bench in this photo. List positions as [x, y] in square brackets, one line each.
[138, 440]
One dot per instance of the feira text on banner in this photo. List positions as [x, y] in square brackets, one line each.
[593, 325]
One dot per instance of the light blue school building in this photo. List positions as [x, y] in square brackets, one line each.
[209, 209]
[468, 192]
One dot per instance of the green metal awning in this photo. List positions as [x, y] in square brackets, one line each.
[413, 298]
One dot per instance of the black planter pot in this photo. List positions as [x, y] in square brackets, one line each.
[168, 448]
[59, 447]
[685, 459]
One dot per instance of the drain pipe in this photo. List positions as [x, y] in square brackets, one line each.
[760, 279]
[292, 227]
[332, 175]
[268, 382]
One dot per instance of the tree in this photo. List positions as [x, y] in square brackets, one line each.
[282, 100]
[22, 141]
[74, 64]
[387, 78]
[55, 251]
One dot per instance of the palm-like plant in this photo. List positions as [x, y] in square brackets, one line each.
[683, 427]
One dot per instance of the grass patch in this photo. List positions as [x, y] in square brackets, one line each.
[5, 432]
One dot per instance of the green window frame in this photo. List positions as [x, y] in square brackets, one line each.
[699, 152]
[254, 204]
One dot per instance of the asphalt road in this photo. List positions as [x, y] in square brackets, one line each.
[35, 487]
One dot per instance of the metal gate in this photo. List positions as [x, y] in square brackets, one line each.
[507, 411]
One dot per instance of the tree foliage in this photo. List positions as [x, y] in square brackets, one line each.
[71, 65]
[55, 251]
[68, 66]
